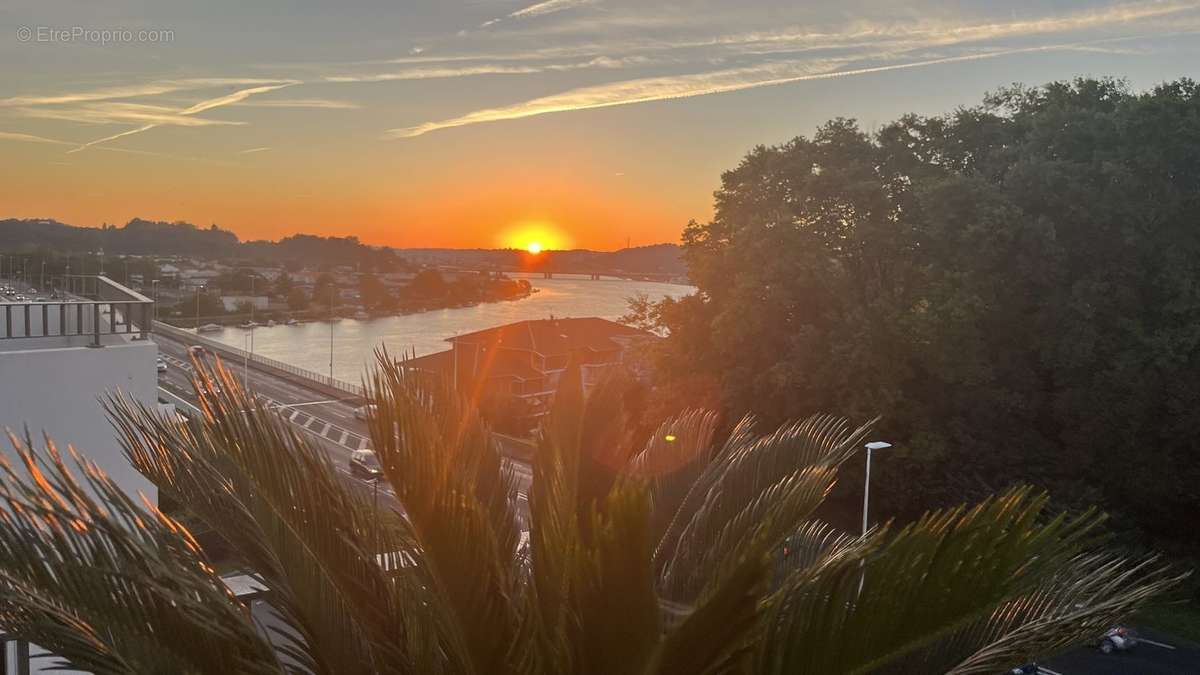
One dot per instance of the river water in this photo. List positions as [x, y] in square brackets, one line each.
[354, 342]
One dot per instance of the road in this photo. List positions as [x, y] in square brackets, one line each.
[329, 420]
[1156, 654]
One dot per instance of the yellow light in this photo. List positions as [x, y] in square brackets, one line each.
[534, 247]
[670, 438]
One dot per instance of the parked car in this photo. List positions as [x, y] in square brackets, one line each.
[1118, 639]
[365, 464]
[364, 411]
[161, 365]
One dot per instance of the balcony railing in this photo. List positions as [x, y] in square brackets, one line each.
[92, 306]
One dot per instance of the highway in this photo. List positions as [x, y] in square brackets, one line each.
[328, 420]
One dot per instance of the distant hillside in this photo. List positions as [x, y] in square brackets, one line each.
[145, 237]
[655, 259]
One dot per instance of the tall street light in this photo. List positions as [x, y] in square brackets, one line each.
[154, 286]
[873, 445]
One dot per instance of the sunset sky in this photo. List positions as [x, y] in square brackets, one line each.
[492, 122]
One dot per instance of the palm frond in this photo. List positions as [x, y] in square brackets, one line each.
[459, 498]
[108, 586]
[280, 504]
[756, 487]
[877, 604]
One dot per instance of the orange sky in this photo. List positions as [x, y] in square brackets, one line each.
[459, 123]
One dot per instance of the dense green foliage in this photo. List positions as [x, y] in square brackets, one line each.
[1016, 284]
[686, 552]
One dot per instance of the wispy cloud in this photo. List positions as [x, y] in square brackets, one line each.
[133, 91]
[683, 86]
[111, 112]
[324, 103]
[442, 72]
[208, 104]
[30, 138]
[251, 151]
[538, 9]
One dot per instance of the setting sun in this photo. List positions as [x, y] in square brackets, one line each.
[533, 236]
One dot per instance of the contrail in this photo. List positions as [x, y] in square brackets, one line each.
[240, 95]
[666, 88]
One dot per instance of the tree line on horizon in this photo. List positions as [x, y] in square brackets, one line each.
[1015, 286]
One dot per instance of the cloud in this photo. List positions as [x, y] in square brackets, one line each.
[208, 104]
[538, 9]
[133, 91]
[250, 151]
[548, 7]
[425, 73]
[683, 86]
[30, 138]
[119, 113]
[324, 103]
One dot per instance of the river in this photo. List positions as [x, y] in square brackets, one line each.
[354, 341]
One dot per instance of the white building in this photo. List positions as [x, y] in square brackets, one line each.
[57, 360]
[234, 302]
[55, 366]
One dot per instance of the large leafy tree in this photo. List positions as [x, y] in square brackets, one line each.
[687, 552]
[1015, 284]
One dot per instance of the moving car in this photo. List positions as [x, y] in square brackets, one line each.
[1118, 639]
[364, 411]
[197, 351]
[161, 365]
[365, 464]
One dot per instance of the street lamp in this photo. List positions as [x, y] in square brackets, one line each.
[873, 445]
[154, 287]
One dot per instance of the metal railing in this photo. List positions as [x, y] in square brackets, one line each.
[231, 352]
[92, 306]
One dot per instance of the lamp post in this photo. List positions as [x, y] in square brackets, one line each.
[873, 445]
[42, 281]
[331, 288]
[198, 308]
[154, 286]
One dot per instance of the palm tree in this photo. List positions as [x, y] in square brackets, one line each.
[665, 556]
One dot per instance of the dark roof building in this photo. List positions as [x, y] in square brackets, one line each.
[524, 360]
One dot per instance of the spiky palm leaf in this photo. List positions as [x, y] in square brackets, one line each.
[280, 504]
[700, 586]
[107, 586]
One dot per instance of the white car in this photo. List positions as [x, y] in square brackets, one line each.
[1118, 639]
[161, 365]
[363, 412]
[365, 464]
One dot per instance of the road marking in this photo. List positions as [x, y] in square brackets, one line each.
[1156, 644]
[307, 424]
[297, 405]
[1046, 671]
[295, 413]
[345, 435]
[325, 431]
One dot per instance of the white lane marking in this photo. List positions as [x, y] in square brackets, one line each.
[1156, 644]
[1046, 671]
[325, 430]
[345, 435]
[293, 415]
[297, 405]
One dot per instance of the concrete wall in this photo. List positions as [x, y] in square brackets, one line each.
[58, 390]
